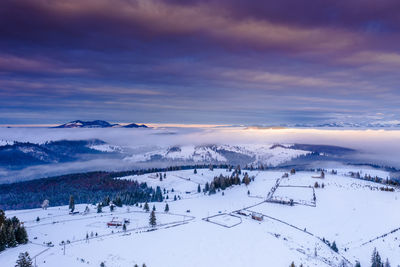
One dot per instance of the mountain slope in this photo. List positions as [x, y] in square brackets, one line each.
[20, 155]
[134, 125]
[238, 154]
[86, 124]
[97, 124]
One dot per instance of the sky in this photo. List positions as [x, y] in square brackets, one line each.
[199, 62]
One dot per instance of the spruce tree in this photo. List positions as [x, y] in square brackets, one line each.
[376, 259]
[20, 235]
[166, 208]
[99, 208]
[153, 220]
[11, 241]
[24, 260]
[2, 217]
[146, 207]
[71, 203]
[246, 179]
[3, 238]
[207, 188]
[334, 247]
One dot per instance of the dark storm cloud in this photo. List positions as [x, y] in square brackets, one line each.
[198, 61]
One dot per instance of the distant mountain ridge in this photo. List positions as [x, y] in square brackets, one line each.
[20, 155]
[393, 124]
[98, 124]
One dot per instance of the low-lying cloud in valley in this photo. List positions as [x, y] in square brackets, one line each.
[373, 146]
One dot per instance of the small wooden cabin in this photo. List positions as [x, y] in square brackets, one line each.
[257, 216]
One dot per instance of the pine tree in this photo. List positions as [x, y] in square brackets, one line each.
[99, 208]
[246, 179]
[153, 220]
[45, 204]
[146, 207]
[106, 201]
[11, 241]
[2, 217]
[20, 235]
[376, 259]
[71, 203]
[207, 188]
[3, 238]
[334, 247]
[166, 208]
[24, 260]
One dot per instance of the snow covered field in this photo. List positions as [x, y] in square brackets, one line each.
[213, 230]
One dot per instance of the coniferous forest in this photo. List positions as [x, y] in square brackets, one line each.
[12, 232]
[90, 187]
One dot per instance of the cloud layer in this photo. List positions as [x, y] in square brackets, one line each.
[199, 61]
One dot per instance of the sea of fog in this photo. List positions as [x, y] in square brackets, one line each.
[373, 146]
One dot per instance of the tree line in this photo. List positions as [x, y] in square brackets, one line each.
[12, 232]
[91, 187]
[222, 182]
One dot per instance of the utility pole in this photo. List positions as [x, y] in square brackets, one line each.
[63, 243]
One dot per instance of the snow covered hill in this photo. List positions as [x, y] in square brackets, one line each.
[15, 155]
[271, 155]
[218, 230]
[97, 124]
